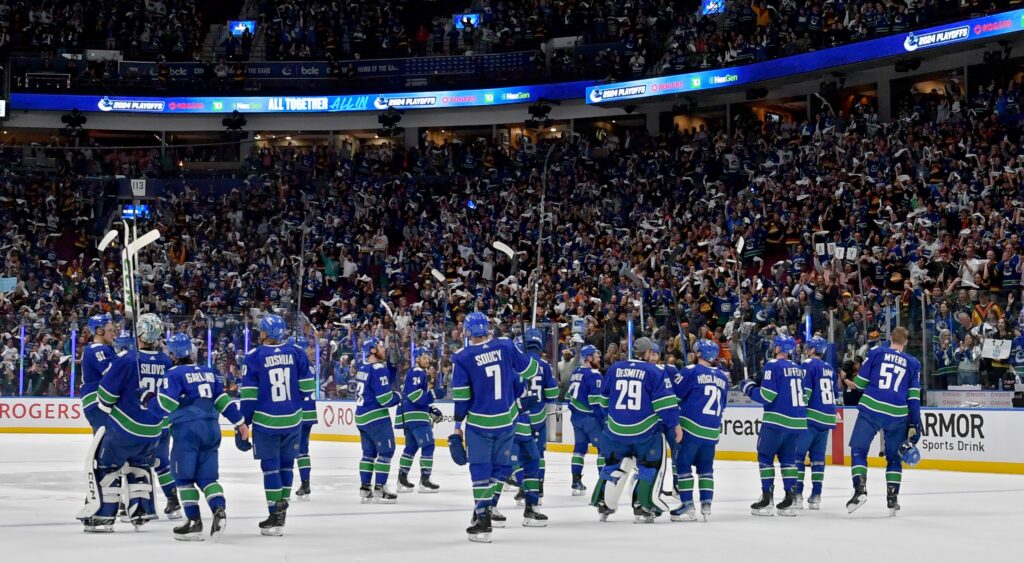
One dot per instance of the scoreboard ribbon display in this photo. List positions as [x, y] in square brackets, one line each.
[299, 104]
[986, 27]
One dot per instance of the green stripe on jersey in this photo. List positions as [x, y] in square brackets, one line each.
[699, 431]
[768, 395]
[277, 421]
[551, 393]
[371, 416]
[538, 417]
[415, 416]
[663, 403]
[789, 422]
[415, 395]
[247, 393]
[461, 394]
[860, 382]
[168, 404]
[106, 396]
[882, 407]
[385, 398]
[531, 370]
[821, 418]
[134, 427]
[89, 399]
[914, 394]
[492, 421]
[222, 402]
[307, 385]
[632, 429]
[579, 406]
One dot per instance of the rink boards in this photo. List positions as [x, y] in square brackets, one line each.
[978, 440]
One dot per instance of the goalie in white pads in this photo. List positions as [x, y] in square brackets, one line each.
[130, 434]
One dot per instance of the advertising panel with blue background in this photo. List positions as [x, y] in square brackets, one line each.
[300, 104]
[987, 27]
[984, 28]
[238, 27]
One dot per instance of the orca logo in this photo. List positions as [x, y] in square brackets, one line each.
[595, 95]
[105, 104]
[910, 43]
[380, 103]
[287, 71]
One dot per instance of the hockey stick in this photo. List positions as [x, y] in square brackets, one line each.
[101, 247]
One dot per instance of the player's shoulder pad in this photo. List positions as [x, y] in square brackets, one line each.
[378, 365]
[122, 353]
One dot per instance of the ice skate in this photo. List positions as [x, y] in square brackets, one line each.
[303, 492]
[404, 486]
[427, 486]
[763, 507]
[220, 523]
[191, 530]
[381, 495]
[684, 513]
[534, 519]
[788, 505]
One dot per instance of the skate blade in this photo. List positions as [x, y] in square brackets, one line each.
[497, 523]
[521, 503]
[813, 507]
[402, 489]
[427, 491]
[790, 512]
[893, 512]
[643, 519]
[176, 515]
[532, 523]
[385, 501]
[762, 511]
[302, 498]
[683, 518]
[578, 492]
[276, 531]
[365, 500]
[852, 507]
[105, 529]
[194, 536]
[484, 537]
[216, 535]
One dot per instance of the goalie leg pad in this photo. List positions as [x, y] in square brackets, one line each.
[141, 502]
[94, 498]
[618, 480]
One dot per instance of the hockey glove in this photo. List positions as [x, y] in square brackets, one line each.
[241, 444]
[435, 415]
[912, 434]
[457, 449]
[747, 385]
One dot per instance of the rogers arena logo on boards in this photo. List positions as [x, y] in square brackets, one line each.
[914, 42]
[337, 415]
[64, 410]
[384, 103]
[613, 93]
[186, 106]
[107, 104]
[990, 27]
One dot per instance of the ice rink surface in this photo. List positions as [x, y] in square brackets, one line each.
[946, 517]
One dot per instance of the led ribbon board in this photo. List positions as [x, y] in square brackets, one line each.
[986, 27]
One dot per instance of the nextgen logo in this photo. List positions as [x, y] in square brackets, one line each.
[106, 104]
[724, 79]
[613, 93]
[914, 42]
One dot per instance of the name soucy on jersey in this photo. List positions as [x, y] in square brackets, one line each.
[489, 377]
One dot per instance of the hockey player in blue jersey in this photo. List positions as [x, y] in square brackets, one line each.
[275, 382]
[531, 425]
[374, 397]
[586, 413]
[488, 379]
[192, 398]
[891, 404]
[95, 358]
[308, 422]
[131, 431]
[785, 417]
[670, 371]
[418, 413]
[636, 396]
[702, 390]
[821, 419]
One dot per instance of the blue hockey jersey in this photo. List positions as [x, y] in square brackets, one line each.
[309, 402]
[418, 397]
[891, 382]
[275, 382]
[782, 393]
[703, 392]
[95, 359]
[584, 393]
[195, 393]
[488, 379]
[820, 393]
[373, 394]
[541, 389]
[132, 374]
[636, 396]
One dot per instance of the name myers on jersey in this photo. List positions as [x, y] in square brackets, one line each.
[895, 359]
[487, 357]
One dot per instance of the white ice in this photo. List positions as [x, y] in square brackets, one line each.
[946, 517]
